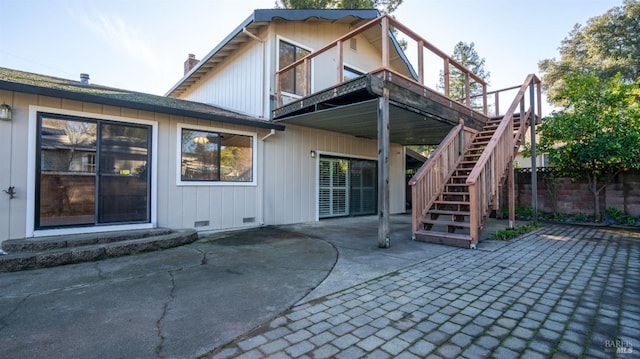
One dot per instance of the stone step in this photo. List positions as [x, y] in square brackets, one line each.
[69, 250]
[74, 240]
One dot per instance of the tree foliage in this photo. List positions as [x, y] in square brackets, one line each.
[609, 44]
[597, 133]
[468, 57]
[385, 6]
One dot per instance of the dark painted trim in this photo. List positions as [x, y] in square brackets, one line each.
[104, 100]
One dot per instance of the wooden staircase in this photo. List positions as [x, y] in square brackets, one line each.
[448, 219]
[455, 190]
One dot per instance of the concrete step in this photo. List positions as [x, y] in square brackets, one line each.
[24, 254]
[74, 240]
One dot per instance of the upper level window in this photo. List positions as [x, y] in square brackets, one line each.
[292, 81]
[349, 74]
[215, 156]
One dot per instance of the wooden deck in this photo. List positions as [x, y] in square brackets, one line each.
[419, 115]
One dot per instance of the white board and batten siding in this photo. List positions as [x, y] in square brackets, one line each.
[222, 205]
[13, 150]
[173, 206]
[235, 85]
[291, 186]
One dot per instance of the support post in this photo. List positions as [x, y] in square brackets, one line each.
[446, 77]
[511, 195]
[534, 171]
[421, 62]
[383, 170]
[385, 42]
[340, 62]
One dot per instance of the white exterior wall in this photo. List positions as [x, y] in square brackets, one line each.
[236, 85]
[314, 35]
[291, 176]
[224, 206]
[13, 155]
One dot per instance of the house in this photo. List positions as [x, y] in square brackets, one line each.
[297, 115]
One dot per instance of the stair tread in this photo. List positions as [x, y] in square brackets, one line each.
[451, 202]
[450, 239]
[448, 211]
[452, 235]
[445, 223]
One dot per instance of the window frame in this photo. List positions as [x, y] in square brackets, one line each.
[218, 130]
[32, 135]
[356, 71]
[296, 44]
[99, 122]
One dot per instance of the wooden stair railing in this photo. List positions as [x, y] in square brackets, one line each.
[466, 187]
[430, 179]
[497, 158]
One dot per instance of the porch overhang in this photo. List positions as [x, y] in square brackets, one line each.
[417, 115]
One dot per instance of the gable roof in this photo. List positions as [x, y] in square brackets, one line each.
[20, 81]
[259, 20]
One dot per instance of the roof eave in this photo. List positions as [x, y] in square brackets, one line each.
[268, 15]
[84, 97]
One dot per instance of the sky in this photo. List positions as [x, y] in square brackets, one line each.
[141, 45]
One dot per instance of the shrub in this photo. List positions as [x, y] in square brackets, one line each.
[509, 233]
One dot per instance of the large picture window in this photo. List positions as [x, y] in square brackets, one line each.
[292, 81]
[211, 156]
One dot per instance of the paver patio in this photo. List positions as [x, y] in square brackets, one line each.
[561, 291]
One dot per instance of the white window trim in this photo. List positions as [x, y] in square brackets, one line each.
[31, 174]
[254, 156]
[295, 43]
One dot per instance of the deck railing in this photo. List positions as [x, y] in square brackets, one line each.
[498, 156]
[386, 23]
[430, 179]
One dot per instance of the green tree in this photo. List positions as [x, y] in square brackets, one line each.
[596, 135]
[609, 44]
[468, 57]
[385, 6]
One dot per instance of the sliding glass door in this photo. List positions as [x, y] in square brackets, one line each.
[91, 172]
[347, 187]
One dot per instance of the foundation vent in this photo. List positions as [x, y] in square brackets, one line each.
[248, 219]
[200, 223]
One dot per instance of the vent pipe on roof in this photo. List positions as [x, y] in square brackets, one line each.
[84, 78]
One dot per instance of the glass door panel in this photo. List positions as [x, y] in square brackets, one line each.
[334, 184]
[67, 186]
[91, 172]
[363, 179]
[123, 173]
